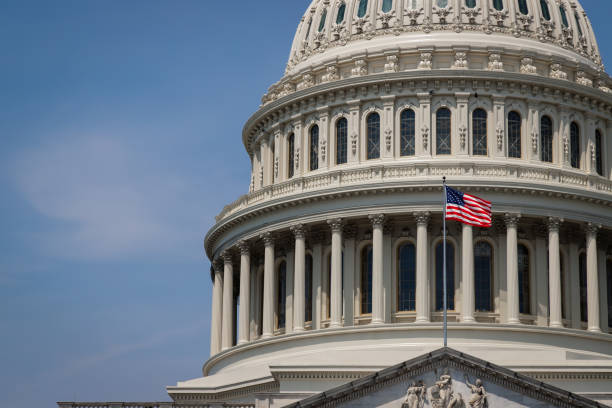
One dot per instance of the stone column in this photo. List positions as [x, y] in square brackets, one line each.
[268, 286]
[217, 309]
[245, 293]
[377, 268]
[422, 268]
[467, 274]
[592, 278]
[299, 296]
[349, 234]
[541, 278]
[227, 335]
[574, 283]
[317, 259]
[512, 268]
[554, 273]
[336, 273]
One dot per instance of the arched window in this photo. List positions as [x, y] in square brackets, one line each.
[291, 153]
[281, 293]
[442, 3]
[498, 5]
[523, 7]
[563, 304]
[407, 133]
[308, 30]
[563, 16]
[514, 135]
[387, 6]
[373, 133]
[483, 276]
[341, 12]
[582, 273]
[406, 277]
[575, 145]
[546, 136]
[413, 4]
[366, 280]
[545, 10]
[273, 148]
[450, 276]
[443, 131]
[322, 21]
[577, 17]
[341, 140]
[308, 289]
[479, 132]
[609, 292]
[524, 280]
[598, 153]
[314, 148]
[470, 3]
[363, 8]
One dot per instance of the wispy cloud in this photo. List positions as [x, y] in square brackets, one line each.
[111, 200]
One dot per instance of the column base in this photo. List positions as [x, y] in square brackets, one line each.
[298, 329]
[468, 319]
[335, 325]
[422, 320]
[594, 330]
[556, 325]
[514, 321]
[266, 336]
[241, 342]
[377, 322]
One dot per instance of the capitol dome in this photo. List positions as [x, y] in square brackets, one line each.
[329, 268]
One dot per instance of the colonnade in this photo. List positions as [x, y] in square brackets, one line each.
[222, 335]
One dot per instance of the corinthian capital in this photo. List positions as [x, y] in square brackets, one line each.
[422, 217]
[377, 220]
[336, 224]
[299, 231]
[512, 220]
[554, 224]
[227, 256]
[267, 238]
[244, 247]
[592, 228]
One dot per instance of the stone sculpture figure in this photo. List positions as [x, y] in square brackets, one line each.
[415, 396]
[479, 394]
[441, 393]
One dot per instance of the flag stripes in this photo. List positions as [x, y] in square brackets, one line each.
[468, 209]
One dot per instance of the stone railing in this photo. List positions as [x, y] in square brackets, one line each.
[393, 173]
[148, 405]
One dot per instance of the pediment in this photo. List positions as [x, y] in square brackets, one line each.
[446, 378]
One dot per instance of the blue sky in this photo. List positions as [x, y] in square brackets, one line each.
[120, 124]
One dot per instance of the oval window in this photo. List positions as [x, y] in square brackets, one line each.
[545, 10]
[523, 7]
[387, 6]
[563, 16]
[363, 8]
[498, 5]
[341, 11]
[470, 3]
[322, 22]
[442, 3]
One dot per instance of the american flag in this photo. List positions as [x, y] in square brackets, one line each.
[467, 208]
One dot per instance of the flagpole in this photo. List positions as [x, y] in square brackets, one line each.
[444, 261]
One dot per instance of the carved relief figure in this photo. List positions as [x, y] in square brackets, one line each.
[415, 396]
[479, 395]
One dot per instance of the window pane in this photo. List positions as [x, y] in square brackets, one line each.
[545, 10]
[498, 4]
[479, 129]
[341, 11]
[366, 280]
[281, 291]
[523, 7]
[314, 148]
[577, 17]
[575, 145]
[598, 153]
[407, 132]
[470, 3]
[322, 22]
[373, 122]
[563, 16]
[514, 135]
[363, 8]
[291, 163]
[524, 283]
[547, 139]
[442, 3]
[341, 140]
[443, 132]
[308, 30]
[406, 278]
[387, 6]
[582, 272]
[308, 289]
[483, 276]
[450, 276]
